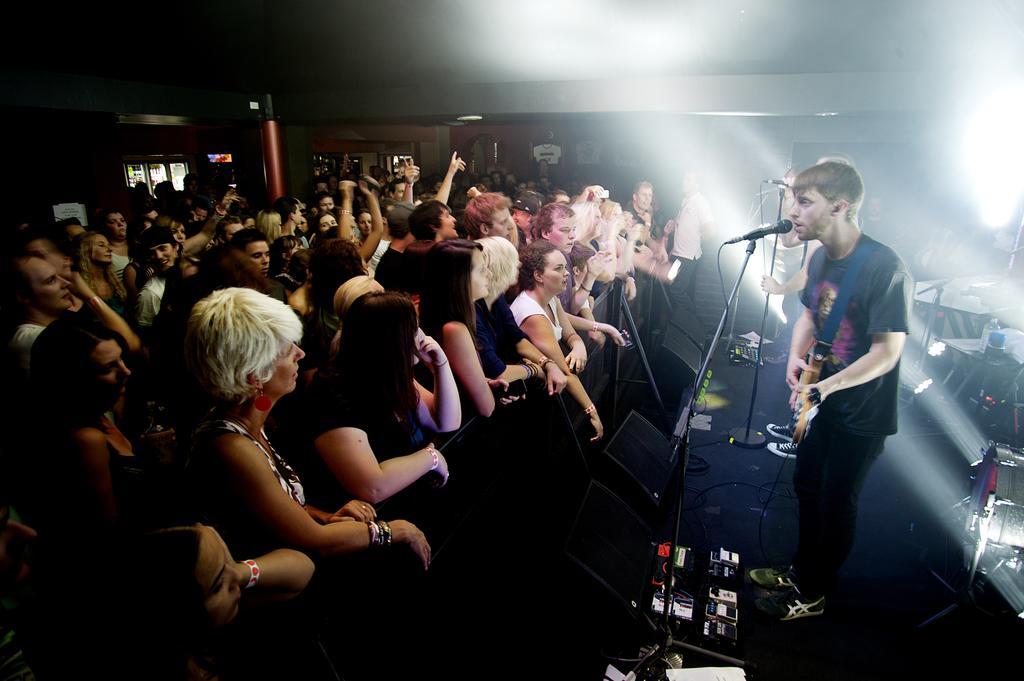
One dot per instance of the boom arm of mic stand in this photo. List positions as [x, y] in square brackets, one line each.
[680, 440]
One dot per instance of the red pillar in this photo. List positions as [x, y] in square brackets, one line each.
[273, 159]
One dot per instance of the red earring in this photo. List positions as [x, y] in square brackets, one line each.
[262, 402]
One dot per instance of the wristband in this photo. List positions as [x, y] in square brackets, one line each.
[94, 301]
[590, 410]
[385, 532]
[595, 327]
[543, 361]
[529, 371]
[374, 533]
[433, 455]
[345, 211]
[254, 573]
[585, 288]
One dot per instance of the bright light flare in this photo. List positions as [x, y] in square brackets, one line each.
[994, 146]
[936, 348]
[922, 386]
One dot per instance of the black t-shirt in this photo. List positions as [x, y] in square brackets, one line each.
[879, 304]
[390, 271]
[331, 405]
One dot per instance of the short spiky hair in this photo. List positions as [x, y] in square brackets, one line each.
[834, 180]
[480, 211]
[544, 221]
[236, 333]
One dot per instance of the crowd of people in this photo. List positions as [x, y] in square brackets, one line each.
[217, 401]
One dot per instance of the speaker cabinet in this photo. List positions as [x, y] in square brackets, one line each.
[613, 545]
[643, 454]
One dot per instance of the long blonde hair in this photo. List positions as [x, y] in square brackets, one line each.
[269, 222]
[85, 265]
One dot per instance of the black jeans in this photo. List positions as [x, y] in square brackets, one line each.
[831, 466]
[683, 288]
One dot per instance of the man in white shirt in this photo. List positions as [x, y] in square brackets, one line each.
[694, 223]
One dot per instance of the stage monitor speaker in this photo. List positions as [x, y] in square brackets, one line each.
[612, 544]
[689, 325]
[676, 365]
[679, 343]
[644, 454]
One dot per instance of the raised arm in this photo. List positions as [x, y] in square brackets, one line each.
[372, 240]
[412, 174]
[347, 223]
[439, 411]
[454, 166]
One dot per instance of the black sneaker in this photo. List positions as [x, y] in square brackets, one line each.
[772, 578]
[790, 605]
[784, 433]
[786, 450]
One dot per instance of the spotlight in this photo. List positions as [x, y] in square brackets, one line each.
[936, 348]
[994, 144]
[922, 386]
[470, 117]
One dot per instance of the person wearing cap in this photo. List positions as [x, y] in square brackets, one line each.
[526, 205]
[161, 252]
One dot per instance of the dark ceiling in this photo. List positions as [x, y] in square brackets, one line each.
[307, 46]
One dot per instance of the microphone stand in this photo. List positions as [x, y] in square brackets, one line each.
[681, 442]
[742, 437]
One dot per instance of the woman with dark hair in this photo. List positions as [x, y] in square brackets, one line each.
[432, 221]
[177, 630]
[332, 263]
[78, 374]
[160, 251]
[452, 283]
[94, 264]
[543, 274]
[281, 252]
[370, 417]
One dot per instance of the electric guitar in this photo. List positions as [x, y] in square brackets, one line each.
[807, 407]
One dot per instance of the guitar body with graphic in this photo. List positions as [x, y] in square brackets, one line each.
[807, 405]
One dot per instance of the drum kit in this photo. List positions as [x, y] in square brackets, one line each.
[993, 530]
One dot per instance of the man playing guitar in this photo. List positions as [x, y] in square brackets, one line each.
[857, 388]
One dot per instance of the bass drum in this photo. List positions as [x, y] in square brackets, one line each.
[999, 494]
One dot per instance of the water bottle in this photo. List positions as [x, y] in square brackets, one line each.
[990, 326]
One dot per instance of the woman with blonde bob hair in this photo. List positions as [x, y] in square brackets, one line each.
[242, 346]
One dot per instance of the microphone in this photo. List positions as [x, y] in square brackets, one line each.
[780, 227]
[781, 183]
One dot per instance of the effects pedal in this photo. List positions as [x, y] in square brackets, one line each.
[724, 566]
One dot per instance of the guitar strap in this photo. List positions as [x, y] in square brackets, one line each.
[827, 335]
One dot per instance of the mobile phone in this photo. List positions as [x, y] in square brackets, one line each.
[674, 270]
[603, 194]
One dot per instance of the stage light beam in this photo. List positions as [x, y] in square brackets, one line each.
[994, 145]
